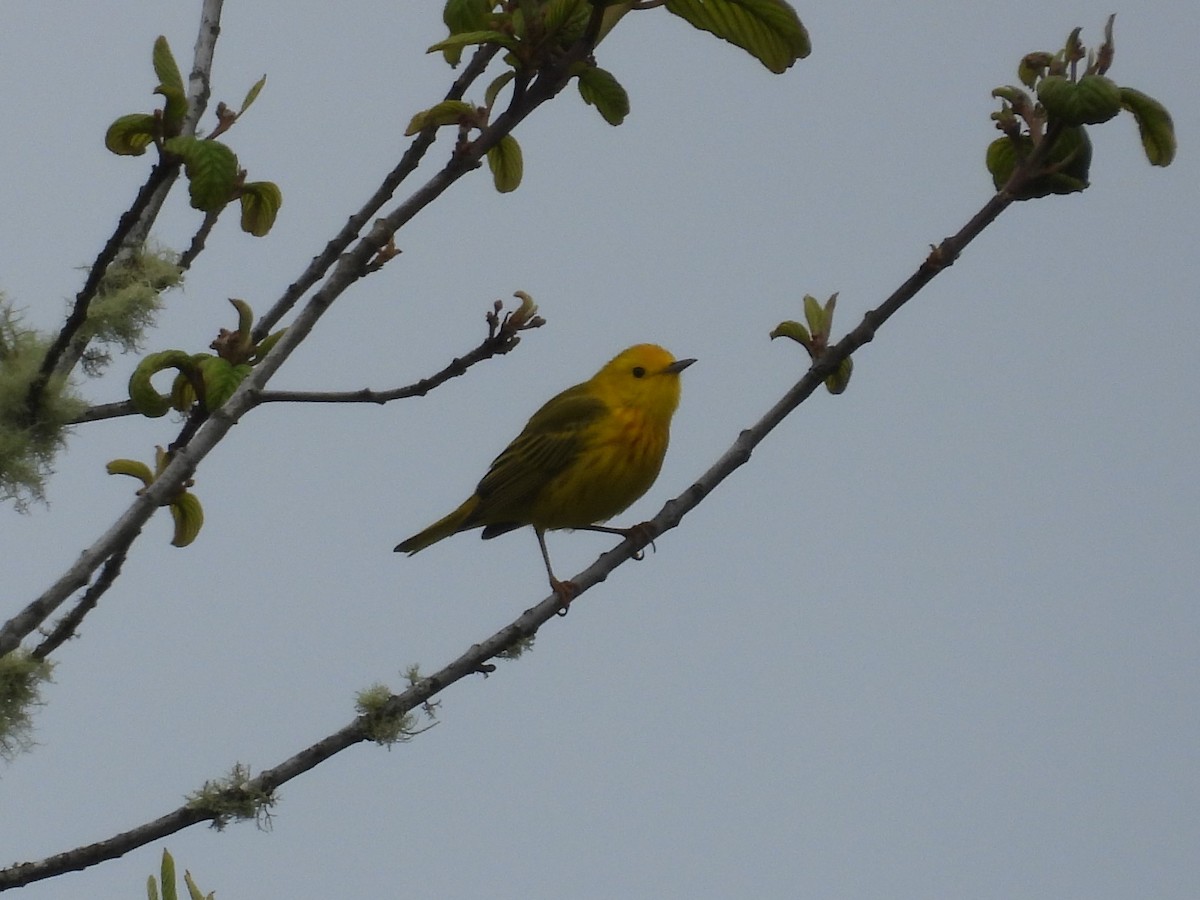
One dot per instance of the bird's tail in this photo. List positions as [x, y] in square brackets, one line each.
[442, 528]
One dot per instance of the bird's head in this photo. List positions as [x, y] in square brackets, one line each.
[644, 377]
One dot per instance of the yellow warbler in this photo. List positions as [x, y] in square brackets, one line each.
[584, 457]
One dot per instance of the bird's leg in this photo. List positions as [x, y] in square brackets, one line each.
[564, 590]
[642, 535]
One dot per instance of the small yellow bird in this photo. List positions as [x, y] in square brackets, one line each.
[583, 457]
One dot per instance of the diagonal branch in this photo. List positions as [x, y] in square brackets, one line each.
[476, 658]
[337, 246]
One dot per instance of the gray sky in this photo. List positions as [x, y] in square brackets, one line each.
[938, 639]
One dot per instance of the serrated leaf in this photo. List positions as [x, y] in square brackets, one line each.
[448, 112]
[188, 515]
[506, 164]
[130, 135]
[769, 30]
[221, 379]
[564, 21]
[468, 38]
[252, 94]
[260, 205]
[1090, 101]
[599, 88]
[1154, 125]
[146, 400]
[211, 169]
[467, 15]
[132, 467]
[1069, 164]
[164, 64]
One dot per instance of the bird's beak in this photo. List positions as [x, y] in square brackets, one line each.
[678, 366]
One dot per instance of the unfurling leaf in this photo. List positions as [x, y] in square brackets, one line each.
[504, 159]
[467, 38]
[463, 16]
[211, 169]
[133, 467]
[769, 30]
[260, 204]
[164, 64]
[600, 89]
[794, 330]
[189, 518]
[448, 112]
[1090, 101]
[1154, 125]
[146, 399]
[221, 379]
[130, 135]
[252, 94]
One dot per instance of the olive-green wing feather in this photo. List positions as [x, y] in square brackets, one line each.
[548, 445]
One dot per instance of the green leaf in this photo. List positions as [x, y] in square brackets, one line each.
[174, 109]
[793, 330]
[168, 876]
[497, 85]
[189, 519]
[467, 15]
[769, 30]
[252, 94]
[130, 135]
[146, 400]
[133, 467]
[211, 169]
[1066, 169]
[1154, 124]
[448, 112]
[600, 89]
[564, 21]
[221, 379]
[504, 160]
[265, 345]
[260, 204]
[475, 37]
[840, 379]
[1090, 101]
[164, 64]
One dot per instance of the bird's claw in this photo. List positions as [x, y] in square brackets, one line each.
[566, 591]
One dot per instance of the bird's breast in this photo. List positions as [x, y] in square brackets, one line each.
[618, 461]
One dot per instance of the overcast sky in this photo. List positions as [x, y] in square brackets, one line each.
[939, 637]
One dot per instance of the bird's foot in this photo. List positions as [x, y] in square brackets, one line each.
[566, 591]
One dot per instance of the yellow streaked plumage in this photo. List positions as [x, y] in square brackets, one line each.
[585, 456]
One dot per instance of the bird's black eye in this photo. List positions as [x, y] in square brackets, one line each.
[639, 372]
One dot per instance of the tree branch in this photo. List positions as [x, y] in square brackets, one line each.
[477, 657]
[337, 246]
[349, 268]
[133, 227]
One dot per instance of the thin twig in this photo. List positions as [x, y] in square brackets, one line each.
[354, 225]
[133, 227]
[69, 623]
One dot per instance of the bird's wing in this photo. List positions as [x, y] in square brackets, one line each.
[550, 442]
